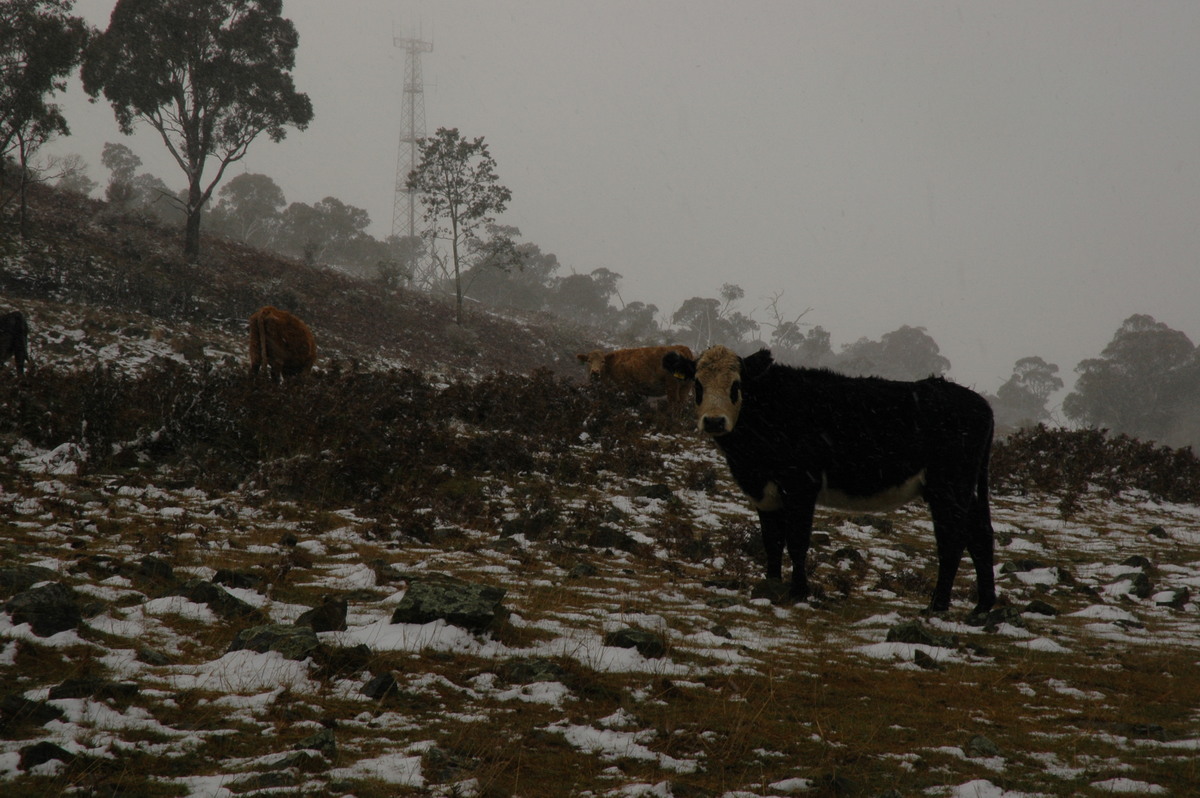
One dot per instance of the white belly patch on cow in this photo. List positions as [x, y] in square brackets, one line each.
[888, 499]
[771, 499]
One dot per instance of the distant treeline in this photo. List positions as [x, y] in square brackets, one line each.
[1144, 384]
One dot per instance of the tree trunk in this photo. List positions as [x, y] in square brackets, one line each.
[458, 296]
[22, 185]
[191, 235]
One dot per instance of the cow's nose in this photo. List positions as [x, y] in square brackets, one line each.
[713, 425]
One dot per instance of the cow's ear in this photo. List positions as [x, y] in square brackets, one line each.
[757, 364]
[681, 367]
[582, 357]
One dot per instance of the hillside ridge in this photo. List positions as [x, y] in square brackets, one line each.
[85, 261]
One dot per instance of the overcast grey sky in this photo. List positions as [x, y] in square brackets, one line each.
[1016, 177]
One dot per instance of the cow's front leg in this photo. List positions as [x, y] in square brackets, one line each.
[775, 540]
[774, 535]
[798, 520]
[790, 528]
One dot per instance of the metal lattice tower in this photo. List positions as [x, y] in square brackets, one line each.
[412, 128]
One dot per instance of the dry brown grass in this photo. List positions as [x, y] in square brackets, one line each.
[516, 478]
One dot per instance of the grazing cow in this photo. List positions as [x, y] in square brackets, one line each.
[281, 342]
[797, 437]
[639, 371]
[14, 339]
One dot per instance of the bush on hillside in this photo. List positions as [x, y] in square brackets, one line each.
[1071, 462]
[388, 439]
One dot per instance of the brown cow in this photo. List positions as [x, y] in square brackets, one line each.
[281, 342]
[639, 371]
[14, 339]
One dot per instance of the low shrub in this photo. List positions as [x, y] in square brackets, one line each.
[1070, 462]
[383, 438]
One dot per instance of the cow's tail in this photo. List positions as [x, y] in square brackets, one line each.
[981, 489]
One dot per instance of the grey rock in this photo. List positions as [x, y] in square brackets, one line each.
[43, 752]
[219, 600]
[1039, 607]
[152, 656]
[293, 642]
[656, 491]
[992, 619]
[301, 760]
[607, 537]
[322, 741]
[1142, 731]
[648, 644]
[22, 577]
[381, 686]
[155, 569]
[917, 633]
[1139, 584]
[981, 747]
[1022, 566]
[244, 580]
[1176, 599]
[329, 617]
[582, 570]
[48, 609]
[100, 689]
[16, 710]
[474, 607]
[526, 670]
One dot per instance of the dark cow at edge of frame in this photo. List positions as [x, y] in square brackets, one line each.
[797, 437]
[14, 339]
[281, 342]
[640, 371]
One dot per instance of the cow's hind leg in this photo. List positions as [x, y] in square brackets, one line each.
[949, 530]
[981, 545]
[799, 534]
[774, 537]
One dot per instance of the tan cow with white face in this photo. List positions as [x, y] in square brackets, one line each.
[795, 438]
[639, 371]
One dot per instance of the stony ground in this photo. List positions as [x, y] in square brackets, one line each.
[430, 591]
[1085, 684]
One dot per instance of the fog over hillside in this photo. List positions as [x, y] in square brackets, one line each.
[1016, 178]
[444, 565]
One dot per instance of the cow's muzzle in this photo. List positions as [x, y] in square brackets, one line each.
[714, 425]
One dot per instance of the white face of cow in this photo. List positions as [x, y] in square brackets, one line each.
[594, 363]
[718, 391]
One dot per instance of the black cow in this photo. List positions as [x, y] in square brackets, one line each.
[797, 437]
[14, 339]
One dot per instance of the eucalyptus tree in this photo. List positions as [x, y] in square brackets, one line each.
[1144, 383]
[908, 353]
[461, 193]
[249, 208]
[1021, 401]
[210, 76]
[41, 43]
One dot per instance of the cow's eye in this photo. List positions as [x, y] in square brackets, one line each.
[735, 392]
[699, 392]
